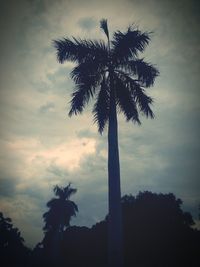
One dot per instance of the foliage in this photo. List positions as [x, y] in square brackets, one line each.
[57, 219]
[12, 248]
[61, 209]
[157, 232]
[97, 62]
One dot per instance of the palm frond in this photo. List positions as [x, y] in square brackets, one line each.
[66, 50]
[69, 191]
[58, 190]
[101, 107]
[80, 97]
[125, 101]
[88, 72]
[91, 49]
[143, 100]
[127, 45]
[104, 27]
[87, 77]
[145, 72]
[78, 50]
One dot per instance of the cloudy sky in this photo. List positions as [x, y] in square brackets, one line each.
[40, 146]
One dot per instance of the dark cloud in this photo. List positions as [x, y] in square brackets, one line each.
[7, 186]
[87, 23]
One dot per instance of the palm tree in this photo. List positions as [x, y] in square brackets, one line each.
[61, 210]
[57, 219]
[113, 74]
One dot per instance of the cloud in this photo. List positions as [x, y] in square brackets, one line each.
[34, 154]
[7, 186]
[87, 23]
[48, 107]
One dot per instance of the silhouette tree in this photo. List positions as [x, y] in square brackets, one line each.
[13, 251]
[113, 74]
[57, 218]
[61, 209]
[157, 232]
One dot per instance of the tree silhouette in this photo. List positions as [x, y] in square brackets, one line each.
[113, 74]
[157, 232]
[61, 209]
[57, 218]
[13, 251]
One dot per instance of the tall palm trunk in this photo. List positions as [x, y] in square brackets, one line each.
[115, 214]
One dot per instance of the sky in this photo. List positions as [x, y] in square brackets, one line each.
[40, 146]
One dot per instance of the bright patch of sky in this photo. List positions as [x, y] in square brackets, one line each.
[41, 146]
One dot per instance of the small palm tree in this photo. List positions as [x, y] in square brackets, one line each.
[57, 218]
[113, 74]
[61, 209]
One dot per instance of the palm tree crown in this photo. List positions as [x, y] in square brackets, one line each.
[61, 209]
[97, 62]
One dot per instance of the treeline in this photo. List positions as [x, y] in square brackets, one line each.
[157, 233]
